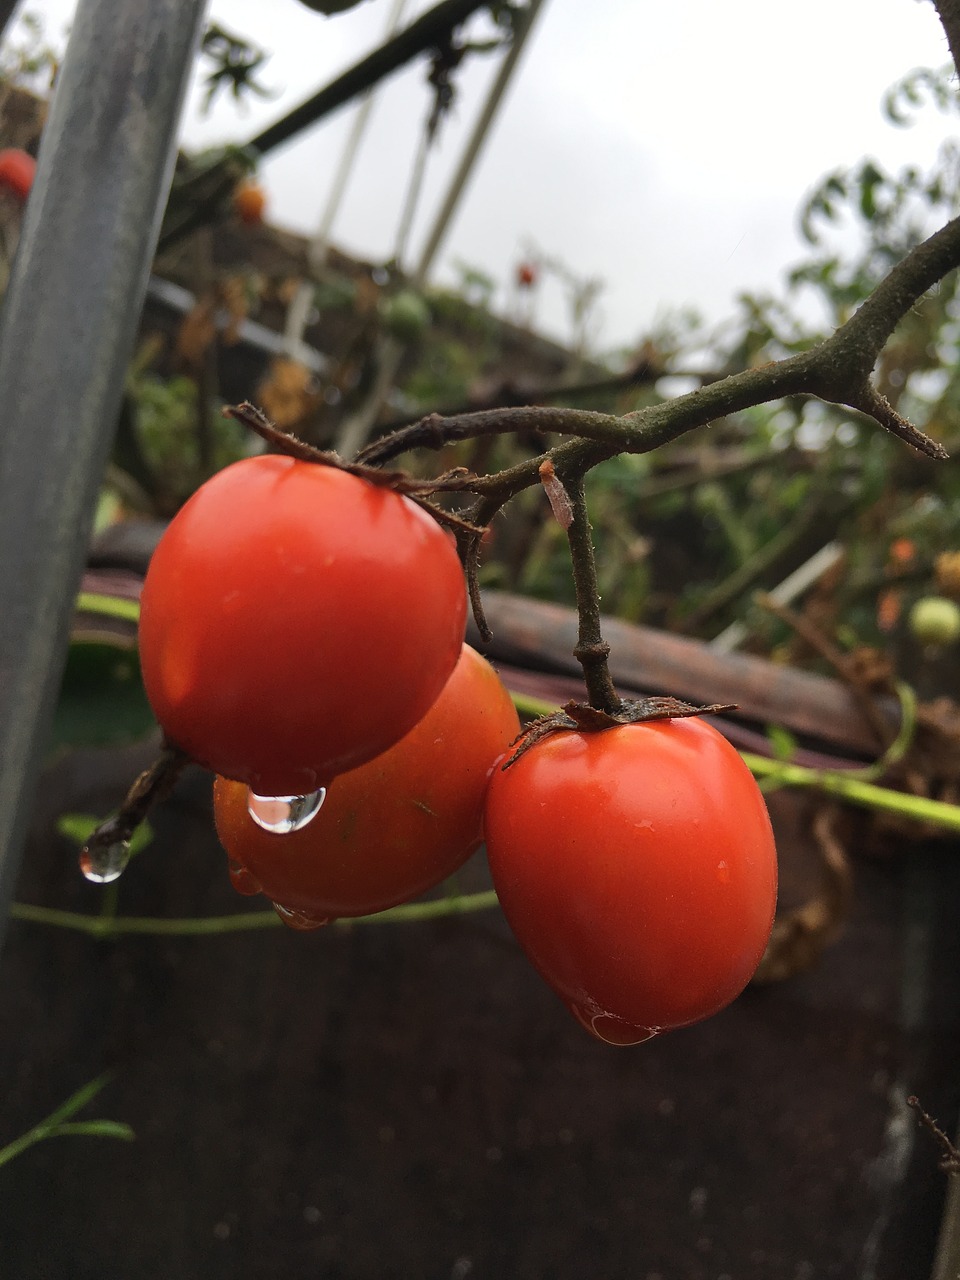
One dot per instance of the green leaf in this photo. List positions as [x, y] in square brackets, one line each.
[93, 1129]
[55, 1124]
[782, 742]
[77, 1101]
[102, 699]
[79, 827]
[109, 606]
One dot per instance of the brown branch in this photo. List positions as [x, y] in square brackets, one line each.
[949, 1161]
[255, 420]
[591, 649]
[949, 14]
[836, 370]
[434, 431]
[878, 407]
[152, 786]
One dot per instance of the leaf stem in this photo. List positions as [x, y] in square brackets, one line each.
[56, 1125]
[200, 926]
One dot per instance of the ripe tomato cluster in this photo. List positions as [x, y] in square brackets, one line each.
[302, 636]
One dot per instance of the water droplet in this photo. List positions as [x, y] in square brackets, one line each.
[102, 863]
[283, 814]
[611, 1029]
[242, 880]
[302, 921]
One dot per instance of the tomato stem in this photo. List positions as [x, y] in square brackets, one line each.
[591, 649]
[153, 785]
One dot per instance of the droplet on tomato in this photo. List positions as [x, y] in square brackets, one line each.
[242, 880]
[283, 814]
[300, 920]
[610, 1029]
[102, 864]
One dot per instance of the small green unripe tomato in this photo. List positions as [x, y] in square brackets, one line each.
[935, 620]
[405, 315]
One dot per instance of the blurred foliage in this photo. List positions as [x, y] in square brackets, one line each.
[102, 700]
[233, 64]
[689, 533]
[27, 59]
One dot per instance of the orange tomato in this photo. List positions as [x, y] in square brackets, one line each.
[249, 202]
[391, 828]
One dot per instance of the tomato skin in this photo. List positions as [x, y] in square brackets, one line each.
[637, 868]
[17, 170]
[296, 621]
[393, 827]
[249, 203]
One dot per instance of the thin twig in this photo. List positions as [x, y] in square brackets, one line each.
[836, 370]
[949, 1161]
[591, 649]
[152, 786]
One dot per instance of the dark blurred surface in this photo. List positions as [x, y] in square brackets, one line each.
[408, 1100]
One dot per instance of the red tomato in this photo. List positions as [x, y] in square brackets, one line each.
[392, 828]
[526, 275]
[297, 621]
[17, 169]
[637, 868]
[249, 202]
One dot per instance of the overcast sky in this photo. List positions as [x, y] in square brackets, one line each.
[664, 147]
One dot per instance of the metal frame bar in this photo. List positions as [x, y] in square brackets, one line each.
[429, 30]
[67, 331]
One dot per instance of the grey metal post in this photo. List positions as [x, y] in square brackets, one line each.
[6, 13]
[67, 330]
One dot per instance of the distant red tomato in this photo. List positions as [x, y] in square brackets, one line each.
[17, 169]
[526, 275]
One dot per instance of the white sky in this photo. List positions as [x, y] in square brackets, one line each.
[664, 147]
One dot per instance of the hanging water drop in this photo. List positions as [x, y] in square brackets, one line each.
[103, 863]
[242, 880]
[299, 920]
[283, 814]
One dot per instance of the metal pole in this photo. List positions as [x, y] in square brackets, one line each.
[6, 13]
[67, 330]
